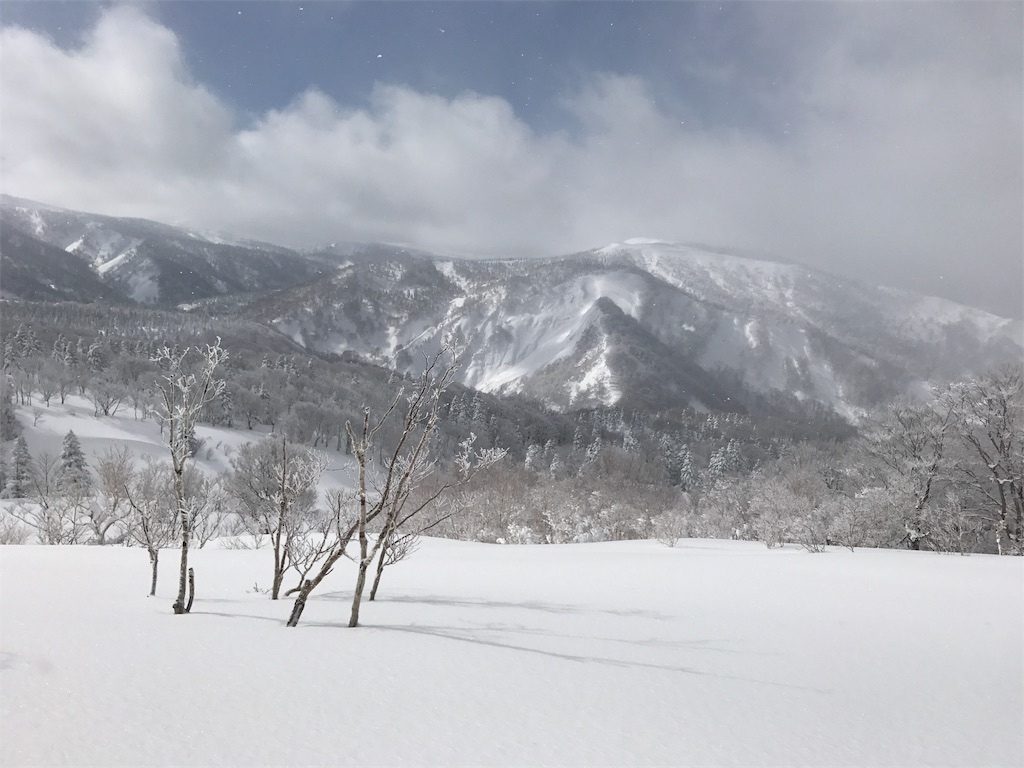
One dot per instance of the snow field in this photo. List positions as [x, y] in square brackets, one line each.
[630, 653]
[99, 434]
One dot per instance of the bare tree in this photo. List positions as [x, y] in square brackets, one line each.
[990, 416]
[318, 537]
[184, 393]
[383, 496]
[111, 505]
[152, 521]
[209, 504]
[56, 512]
[397, 547]
[106, 396]
[275, 484]
[911, 447]
[11, 531]
[406, 469]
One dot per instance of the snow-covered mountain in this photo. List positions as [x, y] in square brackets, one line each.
[137, 260]
[645, 323]
[642, 323]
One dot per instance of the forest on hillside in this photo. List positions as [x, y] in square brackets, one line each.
[944, 472]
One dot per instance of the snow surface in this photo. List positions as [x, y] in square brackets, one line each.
[549, 330]
[98, 434]
[103, 267]
[712, 653]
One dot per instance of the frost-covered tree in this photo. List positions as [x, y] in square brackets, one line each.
[275, 482]
[718, 465]
[19, 477]
[911, 448]
[185, 390]
[152, 520]
[687, 470]
[73, 478]
[989, 414]
[108, 509]
[534, 460]
[9, 426]
[385, 497]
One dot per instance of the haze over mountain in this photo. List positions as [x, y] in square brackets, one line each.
[641, 323]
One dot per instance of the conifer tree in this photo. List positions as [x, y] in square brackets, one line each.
[687, 472]
[19, 478]
[73, 477]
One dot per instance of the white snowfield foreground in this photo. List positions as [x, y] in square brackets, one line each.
[712, 653]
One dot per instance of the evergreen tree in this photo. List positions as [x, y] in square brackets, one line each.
[96, 357]
[733, 460]
[687, 472]
[718, 465]
[579, 441]
[534, 458]
[27, 342]
[19, 478]
[9, 426]
[73, 477]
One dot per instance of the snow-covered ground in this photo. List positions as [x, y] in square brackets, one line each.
[44, 429]
[712, 653]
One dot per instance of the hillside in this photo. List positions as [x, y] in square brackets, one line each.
[142, 261]
[647, 325]
[642, 325]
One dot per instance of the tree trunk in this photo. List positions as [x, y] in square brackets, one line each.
[310, 584]
[154, 559]
[282, 514]
[357, 596]
[179, 604]
[380, 572]
[299, 606]
[191, 590]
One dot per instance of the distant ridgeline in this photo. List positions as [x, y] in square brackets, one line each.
[640, 379]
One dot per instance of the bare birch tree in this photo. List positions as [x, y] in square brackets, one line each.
[381, 496]
[185, 390]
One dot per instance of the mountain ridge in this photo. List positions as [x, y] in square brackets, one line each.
[643, 322]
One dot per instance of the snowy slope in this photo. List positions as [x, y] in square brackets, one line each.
[712, 653]
[642, 323]
[44, 429]
[148, 262]
[647, 323]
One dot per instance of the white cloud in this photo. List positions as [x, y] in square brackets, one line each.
[891, 170]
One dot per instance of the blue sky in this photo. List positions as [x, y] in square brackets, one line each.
[881, 141]
[259, 55]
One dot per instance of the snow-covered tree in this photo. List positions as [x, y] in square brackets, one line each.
[73, 478]
[184, 393]
[9, 426]
[274, 482]
[989, 414]
[687, 470]
[19, 477]
[152, 521]
[110, 506]
[386, 497]
[911, 448]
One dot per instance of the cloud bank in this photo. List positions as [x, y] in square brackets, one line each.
[897, 161]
